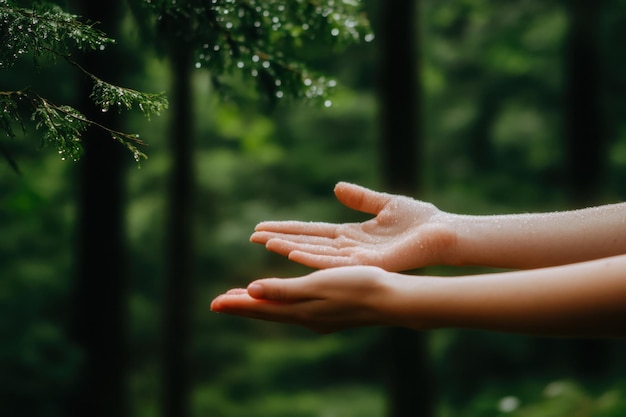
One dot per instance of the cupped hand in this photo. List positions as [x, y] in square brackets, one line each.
[404, 234]
[323, 301]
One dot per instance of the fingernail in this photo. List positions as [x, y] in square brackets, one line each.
[255, 290]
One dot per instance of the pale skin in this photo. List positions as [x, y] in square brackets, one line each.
[570, 278]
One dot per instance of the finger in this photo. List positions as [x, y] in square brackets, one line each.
[361, 198]
[228, 300]
[235, 291]
[285, 247]
[320, 261]
[245, 306]
[265, 237]
[298, 228]
[284, 290]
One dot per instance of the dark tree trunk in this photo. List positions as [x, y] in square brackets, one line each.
[98, 304]
[586, 143]
[585, 123]
[399, 95]
[178, 302]
[409, 376]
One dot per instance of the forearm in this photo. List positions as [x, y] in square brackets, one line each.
[538, 240]
[585, 299]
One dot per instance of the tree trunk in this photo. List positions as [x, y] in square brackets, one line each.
[586, 144]
[409, 376]
[179, 258]
[585, 123]
[399, 96]
[98, 306]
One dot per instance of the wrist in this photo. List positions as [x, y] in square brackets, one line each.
[447, 247]
[416, 302]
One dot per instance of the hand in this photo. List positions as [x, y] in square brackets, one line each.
[323, 301]
[405, 234]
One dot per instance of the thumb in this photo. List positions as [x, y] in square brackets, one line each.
[361, 198]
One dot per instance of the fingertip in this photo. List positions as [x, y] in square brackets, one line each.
[276, 245]
[264, 225]
[216, 304]
[256, 290]
[341, 186]
[294, 255]
[254, 237]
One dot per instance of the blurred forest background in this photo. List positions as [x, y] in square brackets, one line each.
[107, 267]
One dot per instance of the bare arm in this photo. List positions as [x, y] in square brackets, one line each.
[540, 239]
[584, 300]
[406, 233]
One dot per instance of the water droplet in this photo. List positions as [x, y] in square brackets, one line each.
[334, 32]
[328, 103]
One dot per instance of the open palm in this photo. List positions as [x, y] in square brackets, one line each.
[404, 234]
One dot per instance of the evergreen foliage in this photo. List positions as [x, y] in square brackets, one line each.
[270, 41]
[48, 34]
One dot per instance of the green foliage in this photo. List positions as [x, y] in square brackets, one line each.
[268, 41]
[492, 70]
[557, 398]
[47, 33]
